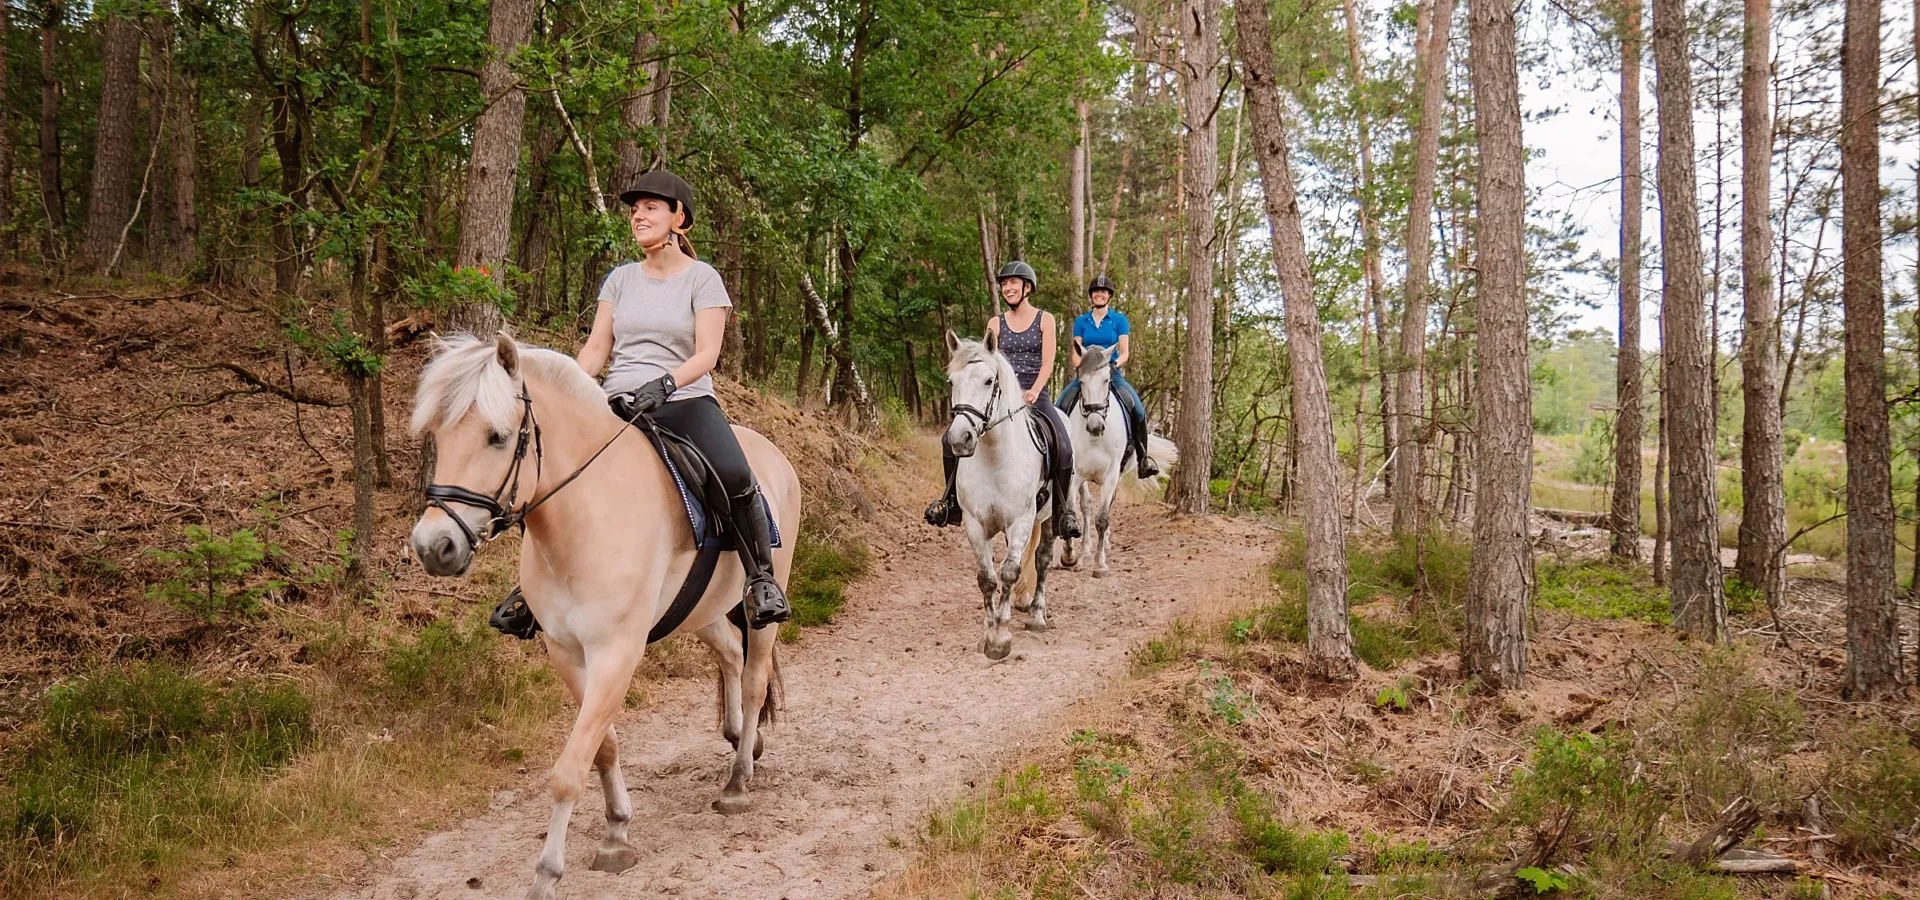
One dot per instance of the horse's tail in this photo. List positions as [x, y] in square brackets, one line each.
[1164, 453]
[1030, 579]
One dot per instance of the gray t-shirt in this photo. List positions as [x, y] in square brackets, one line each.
[653, 324]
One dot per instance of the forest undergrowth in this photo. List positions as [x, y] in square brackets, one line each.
[1222, 768]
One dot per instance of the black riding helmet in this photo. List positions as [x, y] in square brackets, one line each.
[665, 185]
[1019, 269]
[1102, 283]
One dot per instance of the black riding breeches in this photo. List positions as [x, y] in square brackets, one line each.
[701, 421]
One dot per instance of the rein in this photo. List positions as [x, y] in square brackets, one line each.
[502, 514]
[984, 419]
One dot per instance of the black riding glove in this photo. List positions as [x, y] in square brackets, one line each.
[643, 399]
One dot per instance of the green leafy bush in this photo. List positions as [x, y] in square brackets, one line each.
[210, 578]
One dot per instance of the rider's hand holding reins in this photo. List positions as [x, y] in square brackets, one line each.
[643, 399]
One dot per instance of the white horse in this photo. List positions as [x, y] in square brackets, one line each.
[601, 560]
[1098, 427]
[1000, 475]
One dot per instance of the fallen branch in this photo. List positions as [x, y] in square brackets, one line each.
[291, 392]
[1736, 822]
[1575, 516]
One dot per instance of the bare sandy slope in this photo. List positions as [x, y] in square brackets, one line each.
[889, 713]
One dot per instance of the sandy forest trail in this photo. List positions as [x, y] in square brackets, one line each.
[889, 712]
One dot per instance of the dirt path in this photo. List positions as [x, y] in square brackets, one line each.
[889, 713]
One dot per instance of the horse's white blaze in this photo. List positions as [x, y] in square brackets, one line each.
[601, 560]
[998, 479]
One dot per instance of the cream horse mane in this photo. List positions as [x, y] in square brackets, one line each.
[466, 376]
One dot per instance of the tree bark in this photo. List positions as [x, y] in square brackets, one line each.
[180, 125]
[1630, 424]
[1200, 85]
[1370, 260]
[1493, 646]
[8, 239]
[1660, 530]
[1763, 514]
[1077, 212]
[1874, 667]
[1329, 641]
[1699, 606]
[53, 198]
[486, 219]
[108, 204]
[636, 112]
[1411, 432]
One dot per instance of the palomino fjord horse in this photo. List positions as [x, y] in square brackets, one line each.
[607, 546]
[1098, 427]
[1001, 473]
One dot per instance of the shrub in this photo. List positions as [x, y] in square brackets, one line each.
[210, 578]
[1873, 793]
[1598, 590]
[818, 585]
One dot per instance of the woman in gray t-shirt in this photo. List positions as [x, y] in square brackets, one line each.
[658, 333]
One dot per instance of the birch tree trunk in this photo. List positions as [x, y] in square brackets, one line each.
[1493, 646]
[1329, 642]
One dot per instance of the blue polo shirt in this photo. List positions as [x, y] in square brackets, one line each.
[1111, 328]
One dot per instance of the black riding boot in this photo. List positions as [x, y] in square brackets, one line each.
[1066, 524]
[513, 618]
[1139, 437]
[946, 510]
[752, 537]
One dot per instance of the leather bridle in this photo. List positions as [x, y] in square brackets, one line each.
[983, 419]
[502, 514]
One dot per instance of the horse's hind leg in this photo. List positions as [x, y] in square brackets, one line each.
[1042, 560]
[1069, 550]
[759, 681]
[1102, 529]
[996, 640]
[723, 639]
[615, 853]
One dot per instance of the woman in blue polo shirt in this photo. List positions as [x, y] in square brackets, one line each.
[1102, 327]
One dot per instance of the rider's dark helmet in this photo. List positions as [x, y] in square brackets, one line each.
[664, 185]
[1019, 269]
[1101, 283]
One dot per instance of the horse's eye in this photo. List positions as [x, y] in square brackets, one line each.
[496, 439]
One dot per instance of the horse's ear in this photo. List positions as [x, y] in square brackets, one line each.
[953, 343]
[992, 340]
[507, 350]
[1079, 347]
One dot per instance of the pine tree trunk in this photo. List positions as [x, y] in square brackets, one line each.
[180, 120]
[1630, 423]
[1763, 514]
[53, 198]
[1874, 667]
[1412, 430]
[1077, 212]
[1370, 265]
[1493, 646]
[1660, 529]
[636, 113]
[8, 239]
[1329, 641]
[1200, 85]
[486, 218]
[1699, 606]
[108, 202]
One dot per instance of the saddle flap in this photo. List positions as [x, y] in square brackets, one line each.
[701, 492]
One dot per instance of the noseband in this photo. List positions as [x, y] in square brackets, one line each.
[981, 418]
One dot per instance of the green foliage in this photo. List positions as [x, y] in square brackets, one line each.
[1281, 849]
[1393, 696]
[1601, 590]
[443, 286]
[133, 766]
[1727, 740]
[211, 576]
[1541, 880]
[452, 676]
[1594, 465]
[1226, 701]
[1742, 598]
[1424, 578]
[1179, 641]
[817, 587]
[1590, 779]
[1872, 786]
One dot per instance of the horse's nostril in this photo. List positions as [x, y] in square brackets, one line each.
[443, 548]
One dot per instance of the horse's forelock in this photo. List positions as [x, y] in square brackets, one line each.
[466, 376]
[1091, 361]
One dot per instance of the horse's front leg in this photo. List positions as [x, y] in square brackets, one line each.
[1069, 551]
[1042, 560]
[615, 854]
[603, 684]
[996, 640]
[1101, 531]
[756, 689]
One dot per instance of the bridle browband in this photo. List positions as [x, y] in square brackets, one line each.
[1101, 408]
[502, 514]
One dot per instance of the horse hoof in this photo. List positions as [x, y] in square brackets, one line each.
[732, 804]
[1102, 573]
[1022, 605]
[996, 651]
[1066, 562]
[1038, 625]
[615, 859]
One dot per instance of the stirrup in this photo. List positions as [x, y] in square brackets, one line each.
[1147, 468]
[1068, 525]
[766, 604]
[513, 618]
[943, 512]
